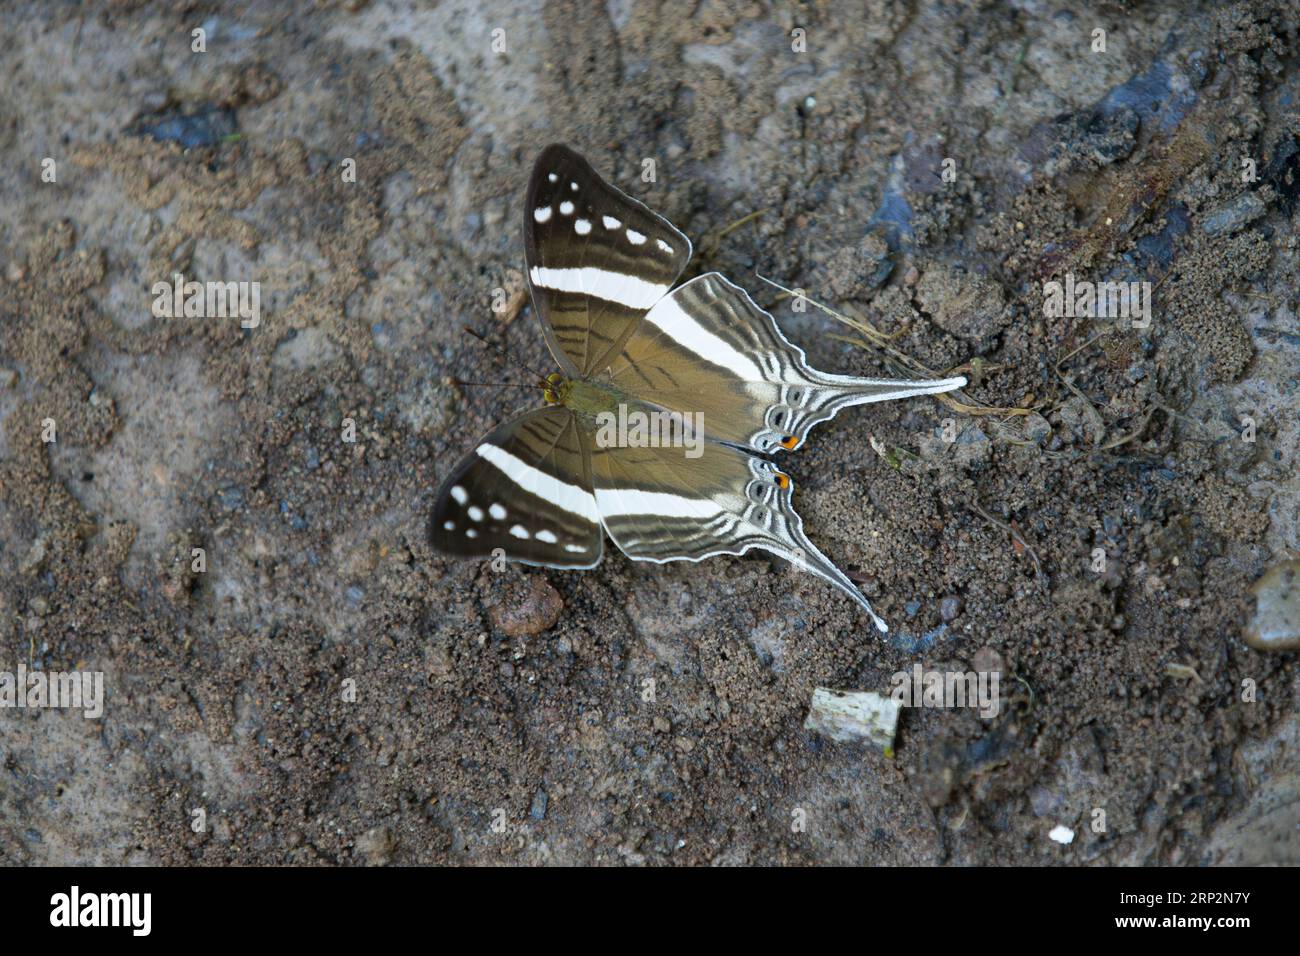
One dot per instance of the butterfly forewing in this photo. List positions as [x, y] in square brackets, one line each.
[597, 259]
[526, 489]
[707, 348]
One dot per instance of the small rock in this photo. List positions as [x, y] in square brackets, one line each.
[1276, 624]
[1082, 419]
[207, 126]
[1109, 135]
[1037, 428]
[526, 607]
[949, 608]
[376, 846]
[1062, 834]
[35, 557]
[972, 447]
[1233, 215]
[855, 271]
[662, 725]
[538, 809]
[967, 305]
[854, 715]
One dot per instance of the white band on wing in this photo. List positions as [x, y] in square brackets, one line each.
[571, 498]
[626, 290]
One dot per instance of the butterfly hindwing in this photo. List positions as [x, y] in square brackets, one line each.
[597, 259]
[657, 504]
[526, 489]
[707, 348]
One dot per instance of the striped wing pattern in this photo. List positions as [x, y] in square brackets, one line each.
[526, 489]
[657, 505]
[707, 347]
[597, 259]
[600, 266]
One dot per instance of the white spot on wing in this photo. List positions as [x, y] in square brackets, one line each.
[573, 186]
[458, 493]
[471, 533]
[664, 246]
[547, 536]
[542, 214]
[581, 226]
[552, 177]
[610, 222]
[519, 531]
[566, 208]
[448, 525]
[497, 511]
[575, 547]
[635, 237]
[475, 513]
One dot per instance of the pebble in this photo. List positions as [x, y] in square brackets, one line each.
[950, 607]
[1276, 623]
[1037, 428]
[205, 127]
[528, 607]
[847, 715]
[538, 809]
[1062, 834]
[1233, 215]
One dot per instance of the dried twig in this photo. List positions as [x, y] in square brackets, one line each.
[740, 222]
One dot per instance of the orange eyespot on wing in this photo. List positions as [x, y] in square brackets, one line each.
[782, 480]
[790, 442]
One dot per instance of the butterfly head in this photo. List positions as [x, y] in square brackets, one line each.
[557, 388]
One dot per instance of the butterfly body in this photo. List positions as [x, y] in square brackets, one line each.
[590, 399]
[546, 487]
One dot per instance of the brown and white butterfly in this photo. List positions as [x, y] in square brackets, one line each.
[541, 487]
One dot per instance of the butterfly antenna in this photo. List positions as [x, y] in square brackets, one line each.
[799, 295]
[503, 353]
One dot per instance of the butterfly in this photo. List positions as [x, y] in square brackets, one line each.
[545, 489]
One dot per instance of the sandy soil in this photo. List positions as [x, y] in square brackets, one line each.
[500, 717]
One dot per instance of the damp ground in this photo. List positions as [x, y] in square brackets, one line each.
[509, 717]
